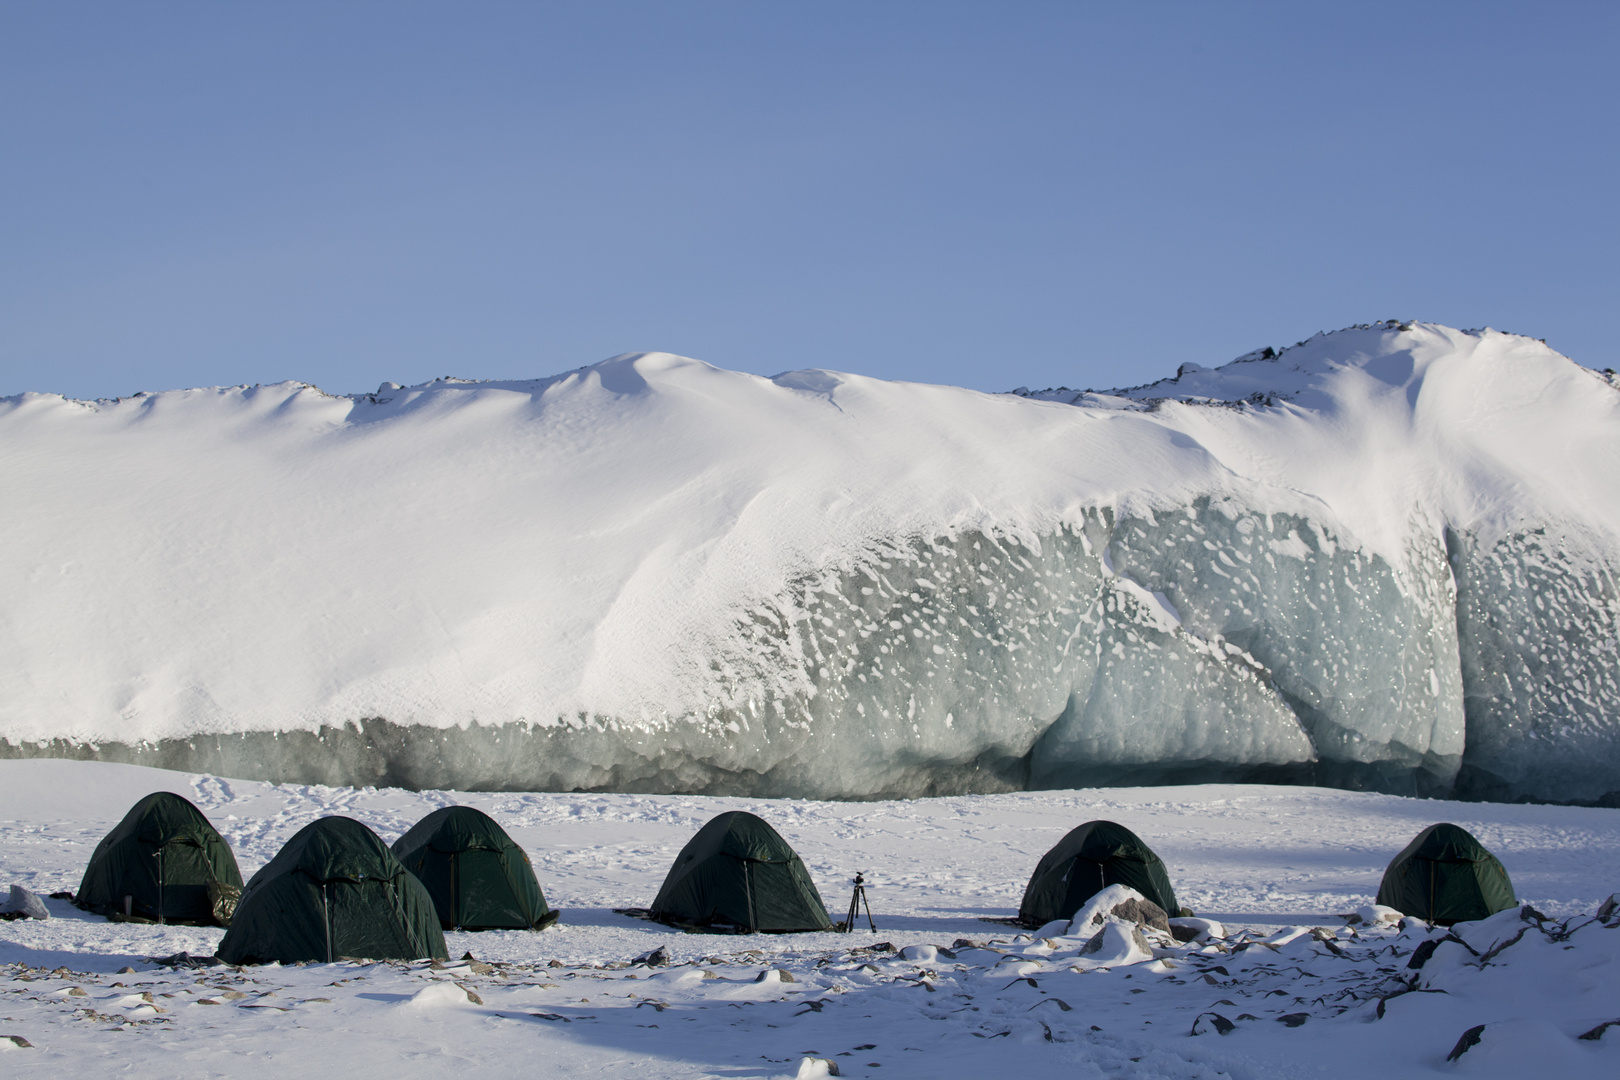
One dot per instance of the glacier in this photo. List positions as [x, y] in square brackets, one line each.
[1382, 558]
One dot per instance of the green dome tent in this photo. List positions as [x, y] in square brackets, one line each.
[1086, 861]
[157, 864]
[478, 878]
[1446, 876]
[737, 872]
[334, 890]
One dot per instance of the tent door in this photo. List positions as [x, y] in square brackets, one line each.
[326, 919]
[1096, 877]
[1085, 879]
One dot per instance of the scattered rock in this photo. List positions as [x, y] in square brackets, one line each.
[1372, 915]
[1119, 901]
[659, 957]
[811, 1068]
[774, 975]
[23, 905]
[1470, 1038]
[871, 950]
[1142, 912]
[18, 1042]
[186, 960]
[1597, 1033]
[1062, 1005]
[478, 966]
[1189, 929]
[1421, 954]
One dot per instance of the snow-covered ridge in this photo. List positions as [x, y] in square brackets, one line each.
[1385, 556]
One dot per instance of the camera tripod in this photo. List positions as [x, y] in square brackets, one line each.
[857, 901]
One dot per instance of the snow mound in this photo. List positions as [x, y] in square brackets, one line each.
[1117, 944]
[436, 996]
[1386, 558]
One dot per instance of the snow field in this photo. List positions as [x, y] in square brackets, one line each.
[1296, 991]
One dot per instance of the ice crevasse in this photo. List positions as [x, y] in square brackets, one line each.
[1383, 557]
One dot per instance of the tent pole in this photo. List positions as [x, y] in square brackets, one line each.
[1433, 891]
[160, 884]
[326, 918]
[748, 887]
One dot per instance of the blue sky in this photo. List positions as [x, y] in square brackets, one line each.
[987, 194]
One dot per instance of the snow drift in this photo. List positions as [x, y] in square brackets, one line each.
[1385, 557]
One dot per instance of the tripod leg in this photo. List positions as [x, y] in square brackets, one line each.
[869, 921]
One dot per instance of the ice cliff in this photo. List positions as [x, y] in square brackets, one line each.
[1383, 557]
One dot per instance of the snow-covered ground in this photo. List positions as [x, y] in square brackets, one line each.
[1270, 863]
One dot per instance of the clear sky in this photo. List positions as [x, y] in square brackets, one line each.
[991, 194]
